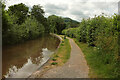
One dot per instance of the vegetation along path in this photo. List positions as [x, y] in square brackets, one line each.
[76, 67]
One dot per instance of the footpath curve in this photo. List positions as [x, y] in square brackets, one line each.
[76, 67]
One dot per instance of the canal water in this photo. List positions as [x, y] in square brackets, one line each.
[21, 60]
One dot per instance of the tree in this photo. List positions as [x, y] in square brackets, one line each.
[20, 11]
[38, 13]
[5, 23]
[56, 24]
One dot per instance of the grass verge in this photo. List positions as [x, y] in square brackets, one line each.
[63, 53]
[87, 52]
[97, 68]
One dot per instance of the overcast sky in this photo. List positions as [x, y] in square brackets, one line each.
[75, 9]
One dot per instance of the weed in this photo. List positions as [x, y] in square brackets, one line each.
[54, 63]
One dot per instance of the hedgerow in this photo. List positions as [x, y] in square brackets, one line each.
[102, 33]
[71, 32]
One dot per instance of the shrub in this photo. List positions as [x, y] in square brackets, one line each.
[103, 33]
[54, 63]
[71, 32]
[54, 59]
[62, 44]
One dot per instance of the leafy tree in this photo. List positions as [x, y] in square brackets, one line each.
[4, 19]
[83, 31]
[15, 31]
[71, 32]
[38, 13]
[56, 24]
[20, 11]
[6, 25]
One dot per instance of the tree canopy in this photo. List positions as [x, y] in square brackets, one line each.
[20, 11]
[56, 24]
[21, 24]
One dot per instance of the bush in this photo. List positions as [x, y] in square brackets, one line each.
[100, 32]
[62, 41]
[56, 56]
[31, 29]
[71, 32]
[54, 59]
[54, 63]
[62, 44]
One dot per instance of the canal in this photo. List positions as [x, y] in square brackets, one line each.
[21, 60]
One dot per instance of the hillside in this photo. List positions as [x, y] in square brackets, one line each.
[71, 23]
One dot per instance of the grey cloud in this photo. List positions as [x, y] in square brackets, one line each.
[79, 14]
[89, 9]
[55, 9]
[79, 10]
[109, 8]
[105, 5]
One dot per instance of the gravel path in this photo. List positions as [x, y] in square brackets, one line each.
[76, 67]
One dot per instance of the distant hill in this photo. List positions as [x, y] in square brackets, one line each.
[71, 23]
[70, 20]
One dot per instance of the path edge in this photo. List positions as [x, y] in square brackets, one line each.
[47, 62]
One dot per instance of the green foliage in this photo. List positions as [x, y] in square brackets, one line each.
[98, 69]
[20, 11]
[5, 22]
[54, 59]
[16, 31]
[82, 31]
[102, 33]
[62, 41]
[31, 29]
[56, 24]
[56, 56]
[71, 32]
[62, 44]
[38, 13]
[63, 52]
[54, 63]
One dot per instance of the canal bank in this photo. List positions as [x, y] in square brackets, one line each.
[18, 59]
[59, 58]
[75, 66]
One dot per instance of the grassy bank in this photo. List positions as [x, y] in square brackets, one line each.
[62, 54]
[97, 68]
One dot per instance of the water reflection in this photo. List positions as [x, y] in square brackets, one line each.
[29, 67]
[21, 60]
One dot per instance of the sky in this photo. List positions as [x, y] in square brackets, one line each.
[74, 9]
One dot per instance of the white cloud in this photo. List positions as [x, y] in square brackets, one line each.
[75, 9]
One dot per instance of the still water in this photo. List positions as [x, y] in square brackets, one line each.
[20, 61]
